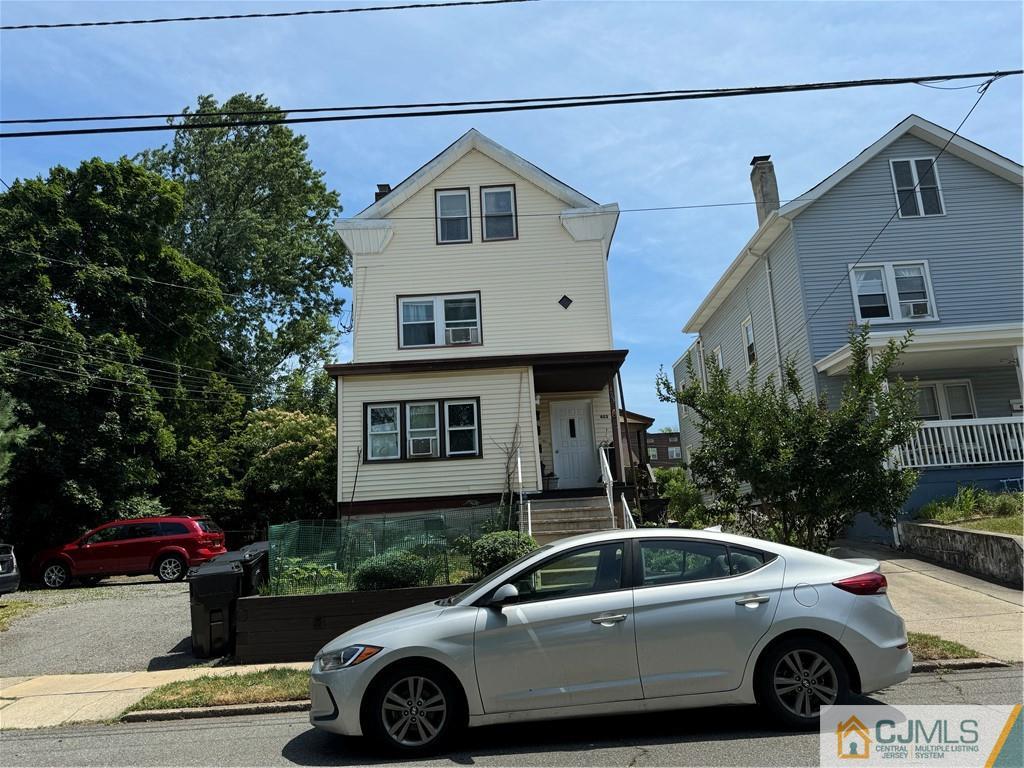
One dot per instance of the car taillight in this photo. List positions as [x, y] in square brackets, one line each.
[865, 584]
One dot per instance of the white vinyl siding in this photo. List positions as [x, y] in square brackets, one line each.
[916, 181]
[519, 281]
[505, 400]
[892, 292]
[430, 321]
[453, 216]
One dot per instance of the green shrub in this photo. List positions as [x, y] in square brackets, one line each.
[969, 503]
[390, 570]
[494, 550]
[1006, 504]
[685, 503]
[299, 576]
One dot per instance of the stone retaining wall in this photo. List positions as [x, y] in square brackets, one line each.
[995, 556]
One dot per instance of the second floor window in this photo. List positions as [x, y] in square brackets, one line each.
[452, 207]
[895, 292]
[652, 454]
[498, 206]
[675, 452]
[917, 187]
[747, 337]
[434, 321]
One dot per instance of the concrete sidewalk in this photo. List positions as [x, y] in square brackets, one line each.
[979, 614]
[49, 700]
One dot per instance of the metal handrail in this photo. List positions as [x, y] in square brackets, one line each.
[519, 477]
[627, 516]
[609, 483]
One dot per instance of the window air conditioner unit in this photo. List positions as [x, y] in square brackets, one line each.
[421, 446]
[462, 335]
[919, 310]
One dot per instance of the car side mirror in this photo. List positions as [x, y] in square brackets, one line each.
[505, 594]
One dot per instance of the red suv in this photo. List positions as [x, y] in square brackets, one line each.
[164, 546]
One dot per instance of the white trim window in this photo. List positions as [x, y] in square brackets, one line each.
[422, 430]
[916, 181]
[892, 292]
[717, 352]
[461, 430]
[452, 216]
[652, 453]
[675, 452]
[439, 321]
[747, 340]
[952, 399]
[498, 206]
[382, 435]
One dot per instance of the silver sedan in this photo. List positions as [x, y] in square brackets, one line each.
[618, 621]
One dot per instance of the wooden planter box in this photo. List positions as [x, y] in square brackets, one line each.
[295, 627]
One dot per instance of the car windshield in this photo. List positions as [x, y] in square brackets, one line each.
[505, 569]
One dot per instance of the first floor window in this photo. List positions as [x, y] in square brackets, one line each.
[747, 335]
[892, 292]
[717, 352]
[499, 212]
[423, 430]
[383, 432]
[945, 400]
[461, 427]
[652, 453]
[675, 452]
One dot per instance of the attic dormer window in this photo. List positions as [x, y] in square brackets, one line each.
[452, 207]
[917, 187]
[498, 206]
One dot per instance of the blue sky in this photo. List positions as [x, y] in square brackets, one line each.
[662, 263]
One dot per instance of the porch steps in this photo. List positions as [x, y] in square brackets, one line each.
[554, 519]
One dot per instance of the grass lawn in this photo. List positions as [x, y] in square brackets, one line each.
[12, 609]
[277, 684]
[934, 648]
[1014, 524]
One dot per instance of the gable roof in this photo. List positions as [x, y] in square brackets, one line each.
[470, 140]
[778, 221]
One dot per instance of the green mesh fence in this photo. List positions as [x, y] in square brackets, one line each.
[314, 556]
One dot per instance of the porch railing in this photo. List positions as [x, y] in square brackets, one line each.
[957, 442]
[609, 482]
[627, 516]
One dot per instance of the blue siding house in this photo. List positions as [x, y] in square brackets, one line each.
[949, 264]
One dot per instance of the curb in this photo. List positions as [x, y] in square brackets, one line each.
[190, 713]
[955, 665]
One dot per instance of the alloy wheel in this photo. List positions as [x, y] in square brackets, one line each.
[170, 569]
[414, 711]
[55, 576]
[804, 682]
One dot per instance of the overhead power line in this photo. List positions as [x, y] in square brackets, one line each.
[266, 15]
[565, 103]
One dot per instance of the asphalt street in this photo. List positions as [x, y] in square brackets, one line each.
[719, 737]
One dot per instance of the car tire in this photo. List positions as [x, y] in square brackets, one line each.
[799, 676]
[405, 723]
[56, 575]
[170, 568]
[91, 581]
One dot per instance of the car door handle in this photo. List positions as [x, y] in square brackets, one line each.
[607, 621]
[753, 600]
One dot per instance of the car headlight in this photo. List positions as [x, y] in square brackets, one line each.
[348, 657]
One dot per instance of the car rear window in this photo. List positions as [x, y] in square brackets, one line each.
[208, 525]
[742, 560]
[173, 529]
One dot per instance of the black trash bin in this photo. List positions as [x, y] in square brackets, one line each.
[214, 588]
[256, 564]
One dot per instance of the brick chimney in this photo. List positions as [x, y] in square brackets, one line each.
[383, 190]
[766, 188]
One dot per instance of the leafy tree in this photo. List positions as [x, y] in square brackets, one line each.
[90, 287]
[12, 434]
[257, 215]
[685, 504]
[310, 393]
[788, 468]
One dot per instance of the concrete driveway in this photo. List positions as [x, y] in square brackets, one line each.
[123, 625]
[984, 616]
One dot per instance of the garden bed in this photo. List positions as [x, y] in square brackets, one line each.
[294, 627]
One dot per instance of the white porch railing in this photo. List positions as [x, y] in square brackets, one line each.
[627, 516]
[525, 512]
[609, 482]
[965, 442]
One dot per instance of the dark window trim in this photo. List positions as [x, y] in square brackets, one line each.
[469, 216]
[398, 317]
[627, 573]
[403, 431]
[638, 561]
[515, 214]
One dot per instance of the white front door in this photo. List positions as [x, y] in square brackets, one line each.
[572, 440]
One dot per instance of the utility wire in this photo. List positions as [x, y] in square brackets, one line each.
[906, 196]
[267, 15]
[750, 91]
